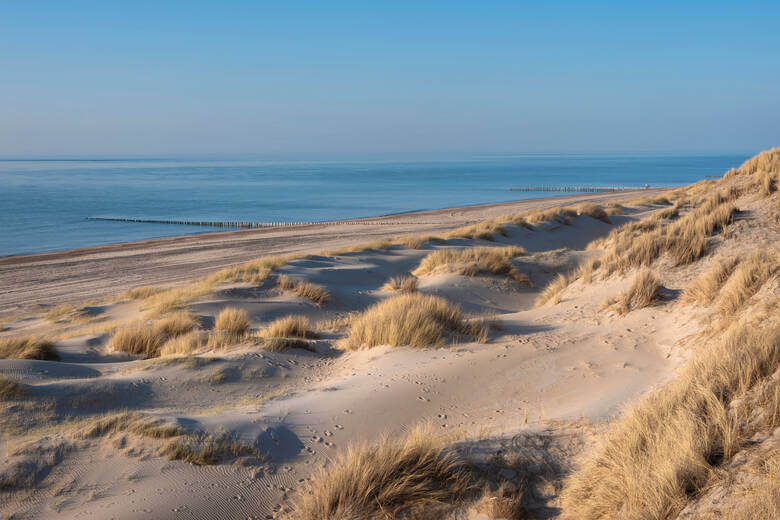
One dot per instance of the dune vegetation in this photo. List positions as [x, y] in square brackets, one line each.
[411, 319]
[233, 321]
[289, 327]
[402, 284]
[473, 262]
[316, 294]
[386, 480]
[28, 348]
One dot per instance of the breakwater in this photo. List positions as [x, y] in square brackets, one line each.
[253, 225]
[580, 189]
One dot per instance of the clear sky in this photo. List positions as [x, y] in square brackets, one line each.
[160, 78]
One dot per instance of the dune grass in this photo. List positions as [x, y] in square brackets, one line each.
[387, 480]
[474, 261]
[132, 423]
[254, 271]
[232, 321]
[595, 211]
[208, 449]
[485, 230]
[669, 447]
[746, 280]
[177, 324]
[28, 348]
[289, 327]
[645, 291]
[561, 215]
[552, 292]
[11, 390]
[705, 288]
[411, 319]
[65, 312]
[140, 339]
[316, 294]
[184, 344]
[141, 293]
[401, 284]
[172, 300]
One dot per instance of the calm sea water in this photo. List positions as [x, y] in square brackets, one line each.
[43, 204]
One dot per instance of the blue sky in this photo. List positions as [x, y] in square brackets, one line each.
[162, 78]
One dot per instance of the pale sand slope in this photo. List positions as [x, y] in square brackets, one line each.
[554, 367]
[34, 282]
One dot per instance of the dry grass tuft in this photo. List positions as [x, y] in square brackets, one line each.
[138, 339]
[504, 503]
[133, 423]
[416, 241]
[669, 447]
[586, 270]
[289, 327]
[205, 450]
[64, 312]
[410, 319]
[172, 300]
[402, 284]
[233, 321]
[561, 215]
[177, 324]
[595, 211]
[706, 287]
[474, 261]
[142, 293]
[11, 390]
[387, 480]
[644, 292]
[254, 271]
[28, 348]
[552, 293]
[284, 344]
[746, 280]
[485, 230]
[185, 344]
[317, 294]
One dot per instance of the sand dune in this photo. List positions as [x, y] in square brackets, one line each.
[238, 428]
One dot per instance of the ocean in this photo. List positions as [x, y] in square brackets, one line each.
[44, 203]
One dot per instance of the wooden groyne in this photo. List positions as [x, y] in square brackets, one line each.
[581, 189]
[252, 225]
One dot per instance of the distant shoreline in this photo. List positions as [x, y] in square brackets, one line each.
[4, 260]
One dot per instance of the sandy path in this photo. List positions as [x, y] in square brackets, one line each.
[32, 282]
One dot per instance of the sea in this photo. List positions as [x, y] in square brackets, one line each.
[45, 203]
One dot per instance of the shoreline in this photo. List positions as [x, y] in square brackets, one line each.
[36, 282]
[8, 259]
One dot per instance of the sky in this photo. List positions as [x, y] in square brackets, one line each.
[165, 78]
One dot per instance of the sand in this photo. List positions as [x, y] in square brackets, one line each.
[561, 370]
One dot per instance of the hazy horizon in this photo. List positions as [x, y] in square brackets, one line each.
[142, 79]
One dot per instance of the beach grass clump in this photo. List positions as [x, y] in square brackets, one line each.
[670, 446]
[552, 292]
[389, 479]
[184, 344]
[142, 293]
[645, 291]
[285, 344]
[289, 327]
[416, 241]
[561, 215]
[594, 211]
[401, 284]
[172, 300]
[140, 339]
[316, 294]
[208, 449]
[232, 321]
[474, 261]
[64, 312]
[764, 168]
[485, 230]
[131, 423]
[415, 320]
[177, 324]
[28, 348]
[10, 390]
[746, 280]
[254, 271]
[705, 288]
